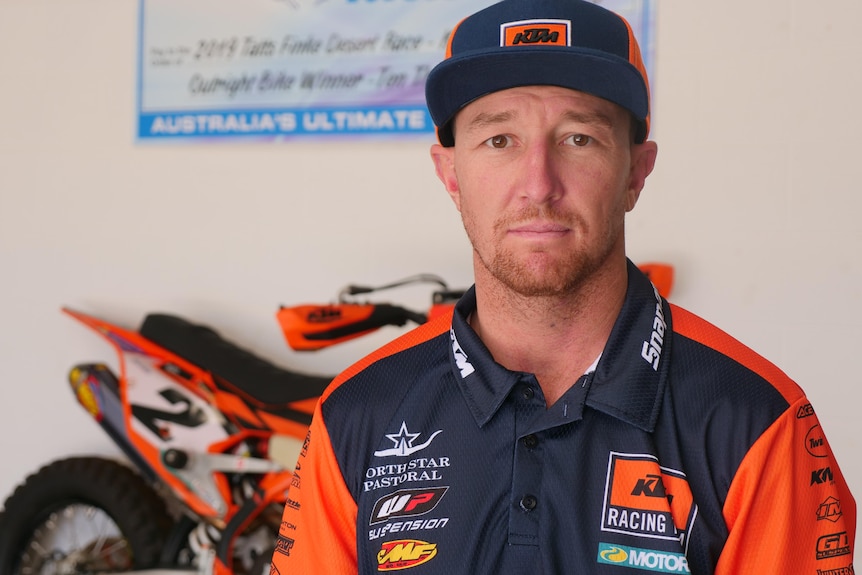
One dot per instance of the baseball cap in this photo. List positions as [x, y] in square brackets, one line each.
[569, 43]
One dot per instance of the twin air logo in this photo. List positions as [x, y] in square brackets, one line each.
[464, 366]
[536, 33]
[642, 559]
[404, 554]
[646, 500]
[815, 442]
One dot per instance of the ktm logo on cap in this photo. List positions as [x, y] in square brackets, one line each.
[536, 33]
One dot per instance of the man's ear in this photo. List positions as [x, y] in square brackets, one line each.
[643, 162]
[444, 164]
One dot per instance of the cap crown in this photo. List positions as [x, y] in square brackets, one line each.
[570, 43]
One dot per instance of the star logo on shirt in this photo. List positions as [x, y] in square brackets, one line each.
[403, 441]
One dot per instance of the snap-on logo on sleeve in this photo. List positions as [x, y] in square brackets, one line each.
[536, 33]
[646, 500]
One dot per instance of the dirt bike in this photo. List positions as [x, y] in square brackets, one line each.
[211, 433]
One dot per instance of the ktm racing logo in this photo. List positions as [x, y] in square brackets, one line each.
[647, 500]
[404, 554]
[536, 33]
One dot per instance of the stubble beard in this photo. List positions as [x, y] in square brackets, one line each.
[539, 274]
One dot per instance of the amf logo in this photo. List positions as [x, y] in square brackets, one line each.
[643, 559]
[404, 554]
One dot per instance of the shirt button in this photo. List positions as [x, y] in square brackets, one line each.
[527, 392]
[528, 503]
[530, 441]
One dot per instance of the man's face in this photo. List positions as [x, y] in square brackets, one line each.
[543, 177]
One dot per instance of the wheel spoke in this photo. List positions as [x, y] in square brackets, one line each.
[75, 538]
[60, 520]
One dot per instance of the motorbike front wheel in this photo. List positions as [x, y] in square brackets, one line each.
[82, 515]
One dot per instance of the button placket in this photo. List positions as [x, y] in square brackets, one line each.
[528, 503]
[524, 516]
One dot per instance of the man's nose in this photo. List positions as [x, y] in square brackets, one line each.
[541, 174]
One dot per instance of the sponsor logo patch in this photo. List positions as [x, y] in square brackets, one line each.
[815, 442]
[830, 510]
[805, 411]
[407, 526]
[464, 366]
[821, 476]
[833, 545]
[651, 350]
[840, 571]
[642, 559]
[646, 500]
[536, 33]
[283, 545]
[418, 470]
[406, 503]
[404, 554]
[403, 441]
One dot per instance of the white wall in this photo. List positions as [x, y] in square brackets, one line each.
[755, 200]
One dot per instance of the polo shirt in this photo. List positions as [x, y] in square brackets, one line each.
[683, 451]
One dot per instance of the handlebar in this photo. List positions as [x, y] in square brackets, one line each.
[312, 327]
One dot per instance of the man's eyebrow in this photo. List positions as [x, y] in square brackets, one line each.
[484, 119]
[590, 118]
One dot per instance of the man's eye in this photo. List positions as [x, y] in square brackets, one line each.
[578, 140]
[498, 142]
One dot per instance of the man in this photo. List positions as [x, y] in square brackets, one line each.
[565, 419]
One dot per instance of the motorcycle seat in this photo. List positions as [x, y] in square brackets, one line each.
[240, 369]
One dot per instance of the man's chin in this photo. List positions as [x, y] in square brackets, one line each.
[543, 282]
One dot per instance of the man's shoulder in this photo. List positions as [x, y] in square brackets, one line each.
[711, 350]
[411, 353]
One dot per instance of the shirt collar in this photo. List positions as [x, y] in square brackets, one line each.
[629, 378]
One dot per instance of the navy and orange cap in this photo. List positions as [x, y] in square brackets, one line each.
[569, 43]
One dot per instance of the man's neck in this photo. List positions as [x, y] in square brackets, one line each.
[554, 337]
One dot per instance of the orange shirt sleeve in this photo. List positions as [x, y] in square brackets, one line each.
[789, 509]
[318, 528]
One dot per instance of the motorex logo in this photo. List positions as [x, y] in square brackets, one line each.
[643, 559]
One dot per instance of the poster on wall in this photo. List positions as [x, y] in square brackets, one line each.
[282, 69]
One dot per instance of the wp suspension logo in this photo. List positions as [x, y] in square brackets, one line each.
[407, 503]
